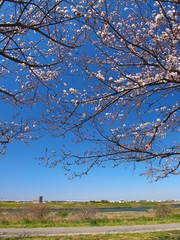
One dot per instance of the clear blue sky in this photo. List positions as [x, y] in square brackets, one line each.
[23, 178]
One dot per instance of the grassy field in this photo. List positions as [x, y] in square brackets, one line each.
[170, 235]
[40, 215]
[76, 205]
[28, 223]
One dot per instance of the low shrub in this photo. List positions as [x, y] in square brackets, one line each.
[63, 214]
[93, 222]
[27, 220]
[37, 211]
[163, 210]
[4, 222]
[87, 213]
[40, 211]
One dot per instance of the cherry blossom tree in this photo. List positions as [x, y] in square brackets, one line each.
[127, 107]
[105, 72]
[36, 40]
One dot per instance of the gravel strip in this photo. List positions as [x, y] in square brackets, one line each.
[20, 232]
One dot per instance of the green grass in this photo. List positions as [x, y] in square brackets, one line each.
[72, 205]
[92, 222]
[11, 205]
[172, 235]
[62, 214]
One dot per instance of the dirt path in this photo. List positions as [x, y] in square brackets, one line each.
[20, 232]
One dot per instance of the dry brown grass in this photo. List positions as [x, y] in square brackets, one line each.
[127, 215]
[38, 212]
[84, 215]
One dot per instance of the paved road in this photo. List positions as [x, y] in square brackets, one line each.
[20, 232]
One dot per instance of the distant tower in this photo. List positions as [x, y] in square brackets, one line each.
[40, 199]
